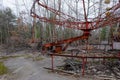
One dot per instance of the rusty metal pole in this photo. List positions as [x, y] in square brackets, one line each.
[83, 66]
[84, 62]
[52, 62]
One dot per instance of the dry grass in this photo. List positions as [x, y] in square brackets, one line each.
[8, 57]
[38, 58]
[34, 58]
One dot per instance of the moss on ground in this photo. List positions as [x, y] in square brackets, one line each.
[3, 69]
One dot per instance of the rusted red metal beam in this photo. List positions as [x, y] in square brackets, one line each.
[57, 12]
[84, 36]
[84, 59]
[82, 25]
[114, 57]
[95, 22]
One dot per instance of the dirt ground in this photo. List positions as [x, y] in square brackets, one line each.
[22, 68]
[25, 68]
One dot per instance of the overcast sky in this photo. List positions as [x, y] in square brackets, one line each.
[25, 5]
[18, 5]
